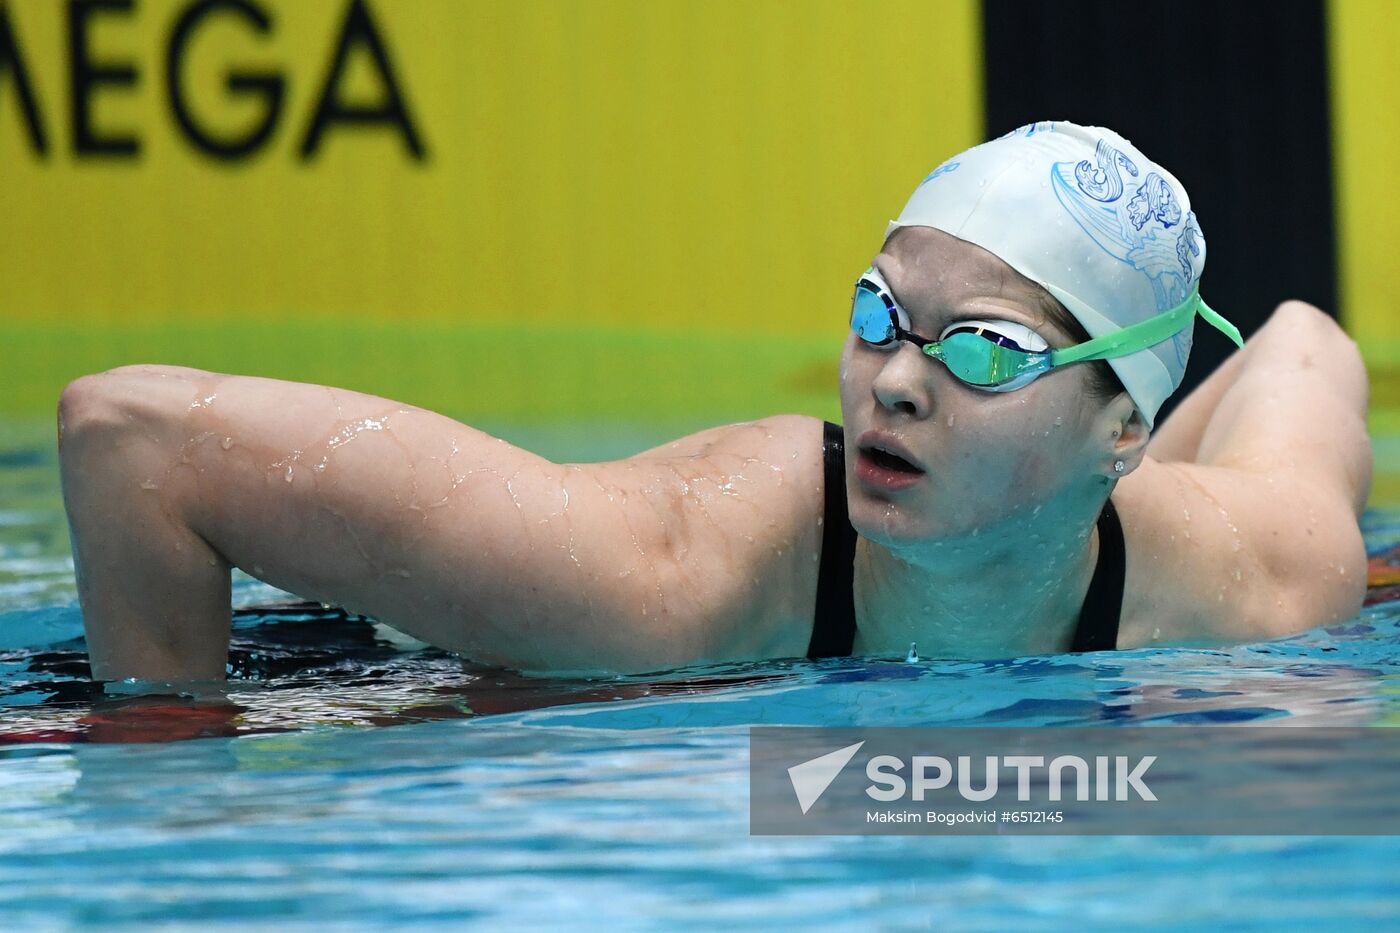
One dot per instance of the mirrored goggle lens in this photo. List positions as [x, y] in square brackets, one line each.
[870, 318]
[980, 362]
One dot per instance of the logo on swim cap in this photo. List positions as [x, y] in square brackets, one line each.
[943, 169]
[1132, 221]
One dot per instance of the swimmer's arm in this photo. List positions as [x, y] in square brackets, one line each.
[172, 476]
[1279, 472]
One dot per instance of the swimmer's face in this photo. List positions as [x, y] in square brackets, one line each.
[988, 457]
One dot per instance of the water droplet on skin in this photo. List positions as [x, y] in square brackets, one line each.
[257, 571]
[213, 562]
[149, 484]
[951, 420]
[226, 443]
[1058, 420]
[289, 473]
[1156, 632]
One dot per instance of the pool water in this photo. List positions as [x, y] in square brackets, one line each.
[353, 779]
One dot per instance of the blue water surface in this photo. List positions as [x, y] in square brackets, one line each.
[351, 779]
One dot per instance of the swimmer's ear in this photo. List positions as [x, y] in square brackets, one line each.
[1123, 435]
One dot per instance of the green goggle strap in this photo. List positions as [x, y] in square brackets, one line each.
[1146, 334]
[1217, 320]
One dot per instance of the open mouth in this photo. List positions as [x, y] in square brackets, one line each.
[888, 461]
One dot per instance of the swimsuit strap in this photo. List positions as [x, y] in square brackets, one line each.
[834, 628]
[1103, 604]
[834, 625]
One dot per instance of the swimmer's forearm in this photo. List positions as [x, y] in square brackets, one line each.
[1178, 439]
[155, 596]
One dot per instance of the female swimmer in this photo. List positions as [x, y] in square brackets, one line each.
[999, 488]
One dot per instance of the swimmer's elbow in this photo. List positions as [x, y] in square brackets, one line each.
[116, 400]
[82, 402]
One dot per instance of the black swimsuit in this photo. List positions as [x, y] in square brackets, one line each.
[834, 628]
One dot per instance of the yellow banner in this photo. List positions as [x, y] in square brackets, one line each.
[724, 165]
[1365, 81]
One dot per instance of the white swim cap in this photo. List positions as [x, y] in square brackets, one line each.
[1084, 213]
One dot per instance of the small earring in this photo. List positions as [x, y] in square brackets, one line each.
[1118, 466]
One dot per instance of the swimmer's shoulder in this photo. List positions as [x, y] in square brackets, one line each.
[747, 528]
[1216, 554]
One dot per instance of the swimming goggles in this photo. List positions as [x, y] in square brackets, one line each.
[1000, 356]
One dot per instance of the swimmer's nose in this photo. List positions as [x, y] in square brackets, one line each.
[902, 384]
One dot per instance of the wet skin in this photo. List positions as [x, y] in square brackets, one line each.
[674, 555]
[991, 547]
[707, 548]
